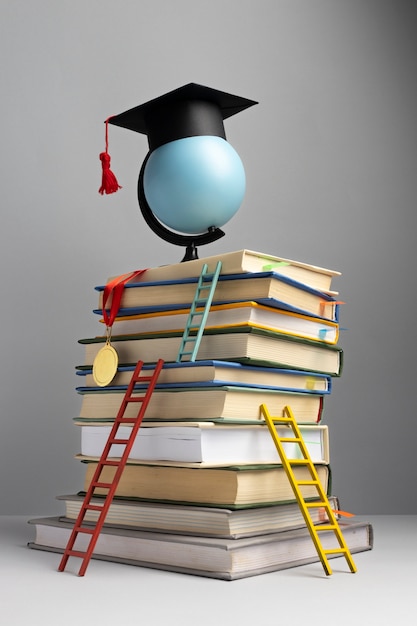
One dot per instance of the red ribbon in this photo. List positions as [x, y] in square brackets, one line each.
[115, 287]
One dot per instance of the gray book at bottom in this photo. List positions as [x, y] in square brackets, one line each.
[226, 559]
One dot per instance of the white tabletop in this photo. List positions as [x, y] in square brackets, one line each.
[382, 591]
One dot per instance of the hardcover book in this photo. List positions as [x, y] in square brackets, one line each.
[243, 261]
[252, 346]
[228, 373]
[186, 519]
[265, 288]
[227, 559]
[231, 487]
[205, 444]
[230, 315]
[204, 403]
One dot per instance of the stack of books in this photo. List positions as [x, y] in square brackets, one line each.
[204, 492]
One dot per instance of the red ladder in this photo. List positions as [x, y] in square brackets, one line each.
[105, 461]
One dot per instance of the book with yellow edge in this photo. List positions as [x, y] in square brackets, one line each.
[226, 315]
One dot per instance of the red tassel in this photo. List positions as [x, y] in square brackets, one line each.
[109, 182]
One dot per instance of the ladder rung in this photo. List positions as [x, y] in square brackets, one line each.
[290, 440]
[142, 379]
[102, 485]
[109, 462]
[86, 531]
[306, 483]
[336, 551]
[119, 441]
[323, 527]
[281, 420]
[93, 507]
[316, 504]
[81, 555]
[135, 399]
[299, 461]
[127, 420]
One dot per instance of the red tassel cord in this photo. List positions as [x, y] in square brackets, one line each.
[109, 182]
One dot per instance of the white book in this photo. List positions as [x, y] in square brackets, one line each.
[206, 443]
[227, 559]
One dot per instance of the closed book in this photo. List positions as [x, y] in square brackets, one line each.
[186, 519]
[243, 261]
[205, 444]
[266, 288]
[227, 559]
[231, 487]
[203, 403]
[253, 346]
[226, 315]
[218, 372]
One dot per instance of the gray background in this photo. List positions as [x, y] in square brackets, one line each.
[330, 158]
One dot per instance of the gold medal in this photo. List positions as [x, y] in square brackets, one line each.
[105, 364]
[106, 361]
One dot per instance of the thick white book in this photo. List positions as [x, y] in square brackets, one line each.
[206, 443]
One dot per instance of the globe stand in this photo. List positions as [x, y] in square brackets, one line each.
[189, 241]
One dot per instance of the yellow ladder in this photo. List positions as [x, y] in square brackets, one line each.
[332, 525]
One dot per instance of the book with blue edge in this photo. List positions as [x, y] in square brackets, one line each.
[268, 288]
[201, 373]
[241, 262]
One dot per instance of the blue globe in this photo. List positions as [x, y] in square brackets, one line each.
[194, 183]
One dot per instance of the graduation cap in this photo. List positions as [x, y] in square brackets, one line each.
[189, 111]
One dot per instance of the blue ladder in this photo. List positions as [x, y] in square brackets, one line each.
[203, 298]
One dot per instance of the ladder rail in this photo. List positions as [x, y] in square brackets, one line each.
[106, 461]
[332, 525]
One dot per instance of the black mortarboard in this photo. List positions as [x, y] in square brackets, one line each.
[189, 111]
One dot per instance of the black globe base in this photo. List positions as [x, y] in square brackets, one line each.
[190, 242]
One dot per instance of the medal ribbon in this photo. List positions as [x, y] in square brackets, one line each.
[115, 287]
